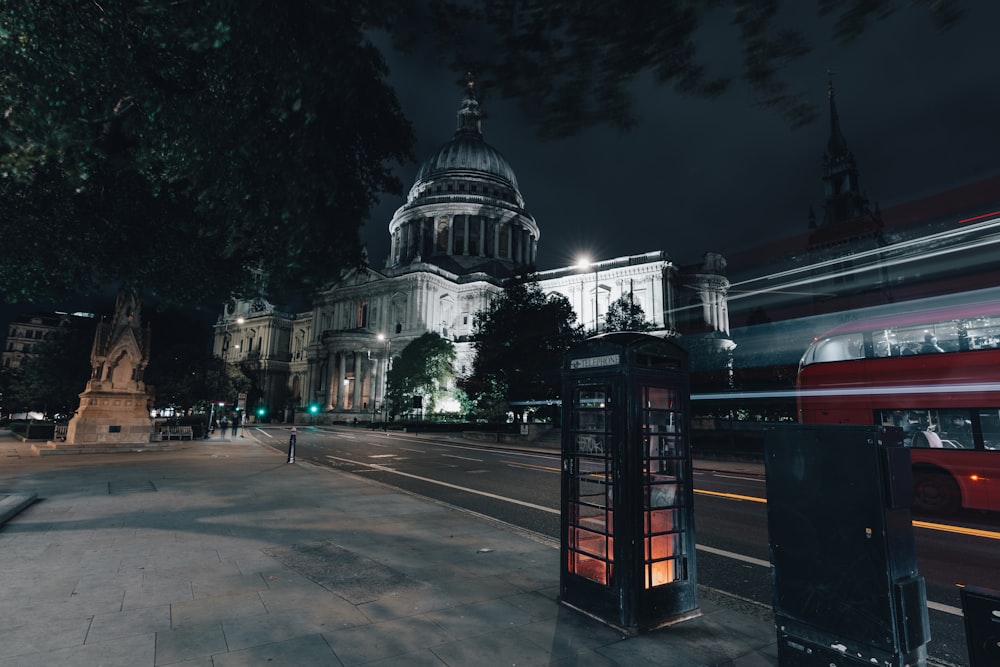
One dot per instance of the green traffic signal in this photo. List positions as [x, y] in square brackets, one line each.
[313, 408]
[261, 412]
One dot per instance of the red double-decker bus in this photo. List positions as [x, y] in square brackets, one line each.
[936, 375]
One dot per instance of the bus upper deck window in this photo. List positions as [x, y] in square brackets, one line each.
[839, 348]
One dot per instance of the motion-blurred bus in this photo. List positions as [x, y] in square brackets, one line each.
[936, 375]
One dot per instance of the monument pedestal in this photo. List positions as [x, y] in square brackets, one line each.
[110, 417]
[113, 415]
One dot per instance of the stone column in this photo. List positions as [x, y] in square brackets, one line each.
[341, 403]
[358, 381]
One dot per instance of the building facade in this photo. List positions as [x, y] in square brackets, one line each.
[463, 231]
[28, 330]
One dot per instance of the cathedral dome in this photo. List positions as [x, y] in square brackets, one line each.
[467, 164]
[465, 212]
[467, 152]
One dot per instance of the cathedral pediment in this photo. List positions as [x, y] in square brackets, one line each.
[362, 276]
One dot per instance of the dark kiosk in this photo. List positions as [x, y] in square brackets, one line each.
[844, 577]
[627, 528]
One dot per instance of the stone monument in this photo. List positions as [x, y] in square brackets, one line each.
[114, 413]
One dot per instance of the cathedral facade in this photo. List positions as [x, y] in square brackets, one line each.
[463, 231]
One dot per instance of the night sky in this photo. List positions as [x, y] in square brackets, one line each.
[917, 106]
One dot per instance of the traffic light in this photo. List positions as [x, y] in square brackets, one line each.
[313, 409]
[261, 411]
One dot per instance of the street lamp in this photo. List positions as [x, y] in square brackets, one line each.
[583, 264]
[224, 371]
[384, 381]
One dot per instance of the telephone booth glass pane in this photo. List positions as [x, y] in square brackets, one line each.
[590, 475]
[664, 484]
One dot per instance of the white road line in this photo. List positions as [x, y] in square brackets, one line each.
[734, 556]
[418, 451]
[946, 608]
[464, 458]
[452, 486]
[747, 479]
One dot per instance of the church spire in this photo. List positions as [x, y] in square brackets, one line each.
[837, 144]
[844, 200]
[469, 115]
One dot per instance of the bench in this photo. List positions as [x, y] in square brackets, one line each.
[176, 433]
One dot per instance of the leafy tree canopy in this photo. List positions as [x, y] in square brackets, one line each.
[624, 314]
[173, 146]
[520, 338]
[425, 367]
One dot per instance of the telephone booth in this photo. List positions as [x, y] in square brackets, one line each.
[627, 528]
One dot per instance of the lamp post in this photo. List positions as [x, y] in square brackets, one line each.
[583, 264]
[384, 381]
[223, 374]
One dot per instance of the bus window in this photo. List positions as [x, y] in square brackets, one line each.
[989, 421]
[932, 428]
[839, 348]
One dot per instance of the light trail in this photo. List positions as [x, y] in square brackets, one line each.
[962, 388]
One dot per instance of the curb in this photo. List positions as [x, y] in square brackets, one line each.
[11, 506]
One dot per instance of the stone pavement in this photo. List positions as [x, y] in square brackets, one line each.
[222, 554]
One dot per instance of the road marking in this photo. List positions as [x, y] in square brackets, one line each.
[515, 464]
[946, 608]
[418, 451]
[453, 486]
[747, 479]
[731, 496]
[381, 456]
[735, 556]
[464, 458]
[974, 532]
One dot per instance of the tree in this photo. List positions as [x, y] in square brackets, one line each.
[520, 339]
[624, 314]
[176, 146]
[137, 138]
[51, 379]
[182, 373]
[424, 368]
[573, 65]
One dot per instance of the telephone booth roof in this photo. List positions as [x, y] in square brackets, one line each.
[626, 348]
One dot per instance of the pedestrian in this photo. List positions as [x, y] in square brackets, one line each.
[223, 425]
[236, 424]
[291, 446]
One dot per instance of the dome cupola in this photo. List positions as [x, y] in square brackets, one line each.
[465, 211]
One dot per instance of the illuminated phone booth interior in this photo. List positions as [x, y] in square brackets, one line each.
[627, 527]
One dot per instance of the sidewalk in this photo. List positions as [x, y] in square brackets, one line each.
[222, 554]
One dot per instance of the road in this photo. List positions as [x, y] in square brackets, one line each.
[522, 488]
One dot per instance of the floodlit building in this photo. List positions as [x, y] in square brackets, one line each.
[463, 231]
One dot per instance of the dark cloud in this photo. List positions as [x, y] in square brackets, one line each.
[918, 108]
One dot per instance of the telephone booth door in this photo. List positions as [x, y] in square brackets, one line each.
[627, 543]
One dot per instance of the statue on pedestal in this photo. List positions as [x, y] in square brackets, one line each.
[114, 408]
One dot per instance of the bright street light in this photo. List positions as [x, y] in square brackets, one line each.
[584, 263]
